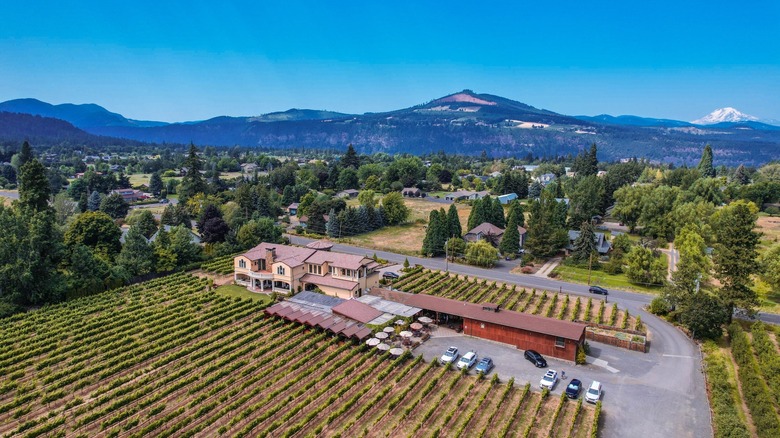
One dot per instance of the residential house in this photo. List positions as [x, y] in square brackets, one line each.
[288, 269]
[492, 234]
[545, 178]
[466, 195]
[506, 199]
[292, 209]
[602, 244]
[303, 221]
[412, 192]
[495, 174]
[129, 195]
[349, 193]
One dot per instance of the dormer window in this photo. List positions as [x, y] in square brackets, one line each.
[280, 270]
[242, 263]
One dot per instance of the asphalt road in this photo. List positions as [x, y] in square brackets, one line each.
[660, 393]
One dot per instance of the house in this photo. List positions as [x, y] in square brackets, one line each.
[602, 244]
[288, 269]
[495, 174]
[292, 209]
[492, 234]
[129, 195]
[506, 199]
[349, 193]
[303, 221]
[548, 336]
[601, 173]
[466, 195]
[545, 178]
[194, 238]
[412, 192]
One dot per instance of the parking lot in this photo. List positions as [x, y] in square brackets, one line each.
[640, 390]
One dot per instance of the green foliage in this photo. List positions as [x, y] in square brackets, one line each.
[192, 183]
[453, 222]
[659, 306]
[260, 230]
[395, 211]
[435, 234]
[724, 405]
[34, 190]
[143, 220]
[644, 267]
[770, 267]
[546, 232]
[481, 253]
[581, 356]
[585, 199]
[93, 202]
[156, 184]
[97, 231]
[137, 255]
[115, 206]
[705, 164]
[585, 244]
[735, 253]
[510, 241]
[704, 315]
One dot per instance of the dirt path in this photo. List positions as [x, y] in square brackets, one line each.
[219, 280]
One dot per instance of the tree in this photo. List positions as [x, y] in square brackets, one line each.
[453, 222]
[735, 253]
[347, 179]
[476, 215]
[254, 232]
[115, 206]
[87, 273]
[435, 235]
[535, 190]
[192, 183]
[34, 190]
[350, 159]
[93, 203]
[97, 231]
[164, 256]
[214, 230]
[705, 165]
[584, 244]
[546, 235]
[741, 175]
[366, 197]
[705, 315]
[481, 253]
[316, 222]
[333, 226]
[497, 213]
[644, 267]
[156, 184]
[181, 244]
[770, 267]
[144, 221]
[585, 200]
[25, 154]
[396, 212]
[137, 255]
[510, 241]
[64, 208]
[692, 270]
[628, 208]
[174, 215]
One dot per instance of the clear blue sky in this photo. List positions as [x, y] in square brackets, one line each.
[172, 61]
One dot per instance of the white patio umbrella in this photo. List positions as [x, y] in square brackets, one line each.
[381, 335]
[406, 334]
[373, 342]
[383, 347]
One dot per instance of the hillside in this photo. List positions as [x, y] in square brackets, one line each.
[45, 131]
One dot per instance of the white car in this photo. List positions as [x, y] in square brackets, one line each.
[594, 392]
[449, 356]
[549, 380]
[467, 361]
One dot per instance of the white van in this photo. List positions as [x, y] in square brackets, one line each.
[594, 392]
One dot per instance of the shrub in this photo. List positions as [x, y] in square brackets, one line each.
[581, 356]
[659, 306]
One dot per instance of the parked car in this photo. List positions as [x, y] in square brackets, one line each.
[594, 392]
[549, 380]
[449, 356]
[467, 360]
[535, 358]
[598, 290]
[574, 388]
[390, 275]
[485, 365]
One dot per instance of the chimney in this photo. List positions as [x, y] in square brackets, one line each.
[270, 257]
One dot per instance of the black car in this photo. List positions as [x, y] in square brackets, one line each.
[390, 275]
[598, 290]
[574, 388]
[535, 358]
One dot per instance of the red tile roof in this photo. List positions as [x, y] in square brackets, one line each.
[328, 281]
[339, 260]
[356, 310]
[508, 318]
[289, 255]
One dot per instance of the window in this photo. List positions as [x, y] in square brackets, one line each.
[331, 270]
[280, 270]
[560, 342]
[242, 263]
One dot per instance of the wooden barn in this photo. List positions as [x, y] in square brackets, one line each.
[548, 336]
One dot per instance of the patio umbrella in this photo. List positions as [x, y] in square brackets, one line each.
[383, 347]
[416, 326]
[425, 320]
[400, 322]
[373, 342]
[396, 351]
[389, 330]
[406, 334]
[381, 335]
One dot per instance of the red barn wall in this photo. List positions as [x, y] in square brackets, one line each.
[522, 339]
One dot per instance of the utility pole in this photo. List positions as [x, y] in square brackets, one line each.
[447, 256]
[590, 263]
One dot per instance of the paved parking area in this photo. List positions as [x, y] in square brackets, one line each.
[638, 395]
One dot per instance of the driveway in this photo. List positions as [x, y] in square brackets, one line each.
[671, 399]
[644, 394]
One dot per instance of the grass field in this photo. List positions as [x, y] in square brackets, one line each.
[601, 278]
[167, 358]
[138, 179]
[235, 291]
[406, 239]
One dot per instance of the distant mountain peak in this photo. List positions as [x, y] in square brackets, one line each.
[465, 96]
[727, 114]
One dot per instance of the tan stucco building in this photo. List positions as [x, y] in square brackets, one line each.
[287, 269]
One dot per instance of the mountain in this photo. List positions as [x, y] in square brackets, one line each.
[468, 123]
[633, 121]
[84, 116]
[727, 114]
[46, 131]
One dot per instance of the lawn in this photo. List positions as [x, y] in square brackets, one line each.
[601, 278]
[232, 290]
[138, 179]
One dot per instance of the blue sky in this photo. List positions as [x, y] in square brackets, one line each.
[176, 61]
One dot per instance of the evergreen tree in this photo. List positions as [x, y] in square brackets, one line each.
[510, 241]
[705, 165]
[93, 203]
[114, 205]
[475, 215]
[363, 219]
[25, 154]
[164, 256]
[34, 190]
[584, 244]
[156, 184]
[535, 190]
[181, 244]
[433, 244]
[137, 255]
[453, 222]
[146, 224]
[333, 226]
[254, 232]
[497, 216]
[350, 158]
[83, 202]
[741, 175]
[516, 208]
[735, 253]
[192, 183]
[692, 270]
[593, 161]
[316, 222]
[546, 234]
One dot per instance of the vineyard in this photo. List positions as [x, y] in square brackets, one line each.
[167, 357]
[744, 382]
[222, 265]
[545, 303]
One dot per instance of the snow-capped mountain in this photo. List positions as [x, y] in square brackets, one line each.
[727, 114]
